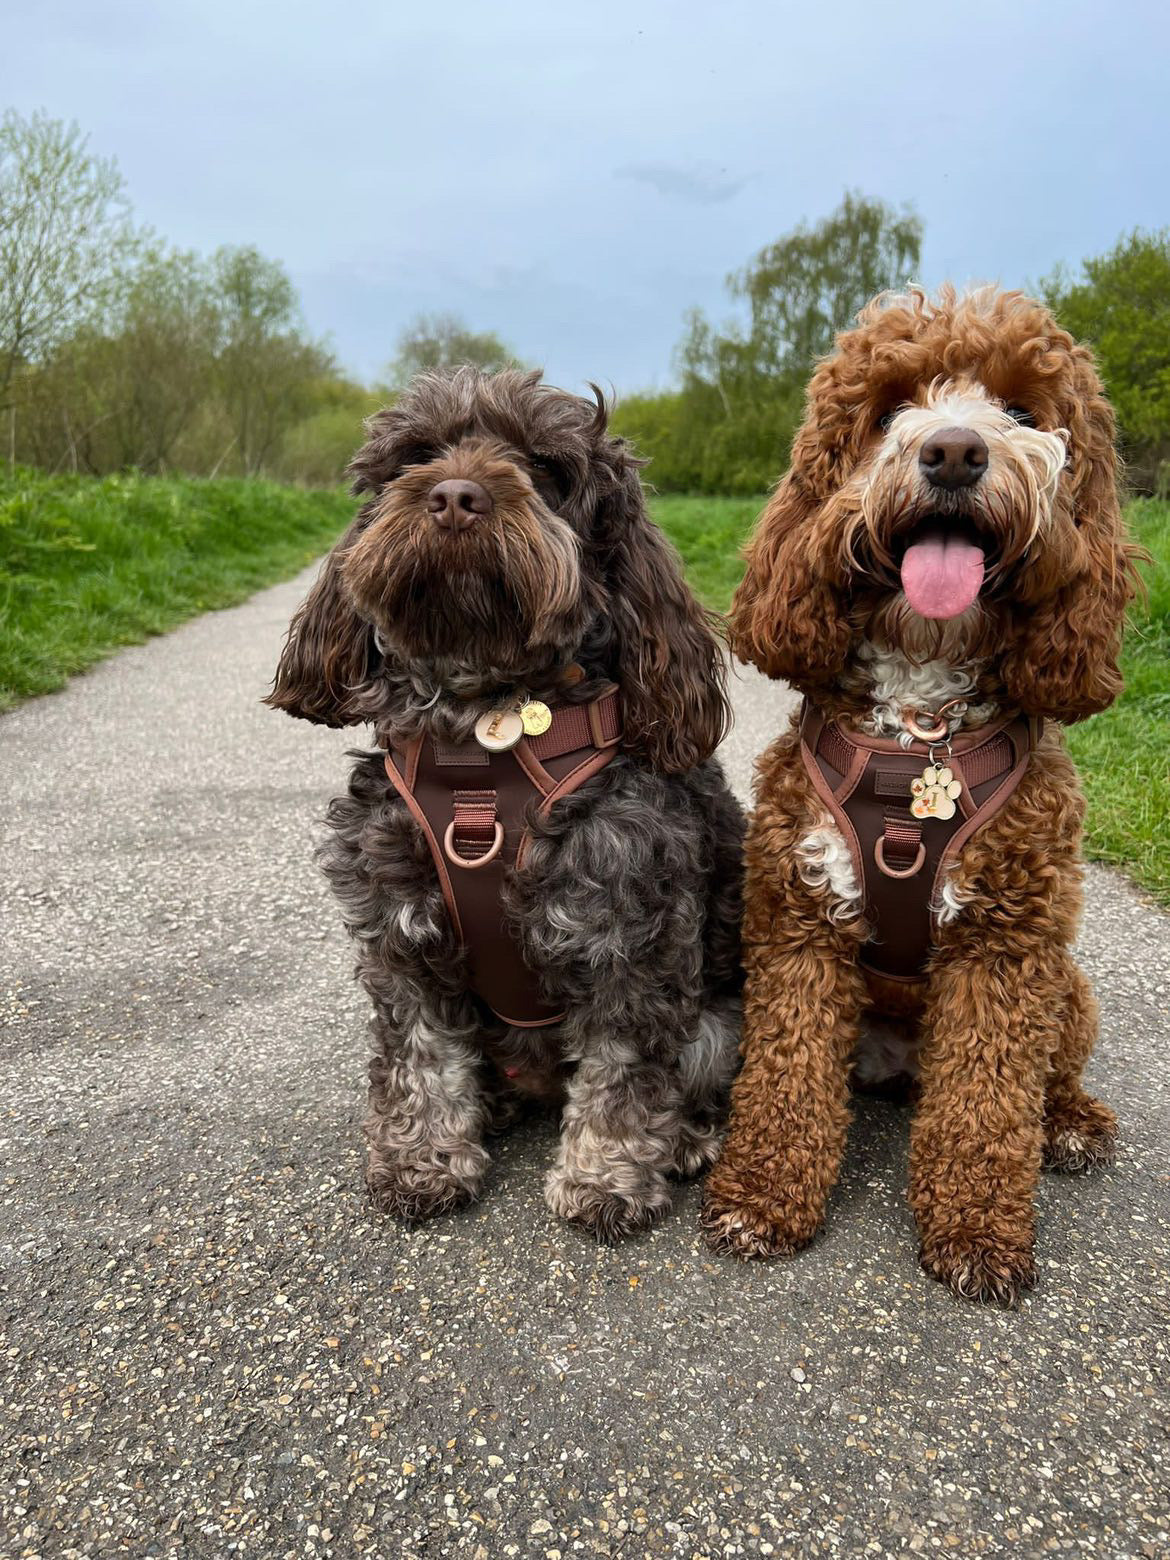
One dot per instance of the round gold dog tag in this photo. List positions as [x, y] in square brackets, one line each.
[537, 717]
[499, 730]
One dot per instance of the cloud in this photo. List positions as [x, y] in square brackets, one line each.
[702, 186]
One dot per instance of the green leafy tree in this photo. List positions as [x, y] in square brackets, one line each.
[445, 341]
[730, 428]
[265, 367]
[65, 233]
[1120, 305]
[122, 389]
[808, 285]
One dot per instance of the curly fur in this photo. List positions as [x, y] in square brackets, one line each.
[628, 903]
[1004, 1021]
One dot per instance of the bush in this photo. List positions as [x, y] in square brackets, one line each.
[316, 451]
[1121, 307]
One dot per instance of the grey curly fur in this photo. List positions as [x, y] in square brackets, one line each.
[628, 904]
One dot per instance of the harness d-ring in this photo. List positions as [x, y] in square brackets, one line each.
[481, 861]
[879, 855]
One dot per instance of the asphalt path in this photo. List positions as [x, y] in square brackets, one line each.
[211, 1345]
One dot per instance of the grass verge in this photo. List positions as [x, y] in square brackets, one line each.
[1123, 753]
[88, 564]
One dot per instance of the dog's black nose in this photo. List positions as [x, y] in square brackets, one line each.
[458, 503]
[954, 458]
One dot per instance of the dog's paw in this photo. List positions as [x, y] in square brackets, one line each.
[736, 1223]
[416, 1191]
[982, 1267]
[607, 1210]
[1079, 1136]
[698, 1148]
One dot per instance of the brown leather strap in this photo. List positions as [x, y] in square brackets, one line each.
[474, 808]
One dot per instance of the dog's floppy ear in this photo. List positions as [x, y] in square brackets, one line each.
[788, 615]
[1063, 662]
[328, 651]
[669, 663]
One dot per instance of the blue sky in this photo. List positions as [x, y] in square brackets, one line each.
[576, 176]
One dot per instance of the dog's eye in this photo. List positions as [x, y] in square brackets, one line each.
[1022, 415]
[547, 482]
[885, 420]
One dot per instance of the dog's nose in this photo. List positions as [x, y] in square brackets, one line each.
[457, 503]
[954, 458]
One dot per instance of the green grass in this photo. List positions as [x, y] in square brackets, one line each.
[709, 533]
[1123, 754]
[88, 564]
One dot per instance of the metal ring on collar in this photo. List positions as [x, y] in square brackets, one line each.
[480, 861]
[942, 725]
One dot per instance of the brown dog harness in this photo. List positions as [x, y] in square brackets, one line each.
[899, 858]
[473, 807]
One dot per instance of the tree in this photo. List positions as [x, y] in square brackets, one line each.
[123, 390]
[65, 230]
[266, 368]
[445, 341]
[807, 286]
[1121, 307]
[743, 386]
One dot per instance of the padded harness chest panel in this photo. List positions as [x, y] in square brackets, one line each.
[899, 859]
[474, 808]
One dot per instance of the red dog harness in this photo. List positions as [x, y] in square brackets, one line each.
[898, 857]
[473, 807]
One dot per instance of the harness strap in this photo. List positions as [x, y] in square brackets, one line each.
[576, 726]
[987, 761]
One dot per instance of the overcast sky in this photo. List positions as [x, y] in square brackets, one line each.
[575, 176]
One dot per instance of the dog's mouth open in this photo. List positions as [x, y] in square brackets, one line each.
[943, 566]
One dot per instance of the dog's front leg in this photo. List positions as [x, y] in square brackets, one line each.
[425, 1117]
[619, 1140]
[991, 1027]
[802, 1007]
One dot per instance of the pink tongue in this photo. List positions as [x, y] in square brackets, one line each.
[942, 574]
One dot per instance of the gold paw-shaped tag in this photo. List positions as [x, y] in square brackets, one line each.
[934, 793]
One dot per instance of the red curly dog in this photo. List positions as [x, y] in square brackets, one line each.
[946, 553]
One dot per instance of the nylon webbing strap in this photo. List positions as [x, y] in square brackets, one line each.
[579, 726]
[901, 838]
[474, 833]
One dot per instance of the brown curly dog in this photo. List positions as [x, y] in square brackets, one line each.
[944, 560]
